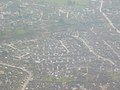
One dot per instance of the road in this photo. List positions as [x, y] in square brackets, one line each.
[107, 18]
[29, 78]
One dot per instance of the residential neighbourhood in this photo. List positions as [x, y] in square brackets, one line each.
[59, 45]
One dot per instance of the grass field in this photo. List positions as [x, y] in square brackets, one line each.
[58, 1]
[77, 2]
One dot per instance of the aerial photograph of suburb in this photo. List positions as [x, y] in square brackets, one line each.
[59, 44]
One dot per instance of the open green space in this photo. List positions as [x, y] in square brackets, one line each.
[80, 3]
